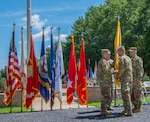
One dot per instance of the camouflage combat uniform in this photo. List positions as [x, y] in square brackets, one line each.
[125, 77]
[111, 62]
[105, 78]
[137, 71]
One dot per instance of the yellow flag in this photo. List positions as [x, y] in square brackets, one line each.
[117, 43]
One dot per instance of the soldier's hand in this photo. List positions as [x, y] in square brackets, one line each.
[115, 71]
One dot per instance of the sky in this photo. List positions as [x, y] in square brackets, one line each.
[47, 13]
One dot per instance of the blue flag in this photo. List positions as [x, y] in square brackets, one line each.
[52, 71]
[43, 74]
[90, 74]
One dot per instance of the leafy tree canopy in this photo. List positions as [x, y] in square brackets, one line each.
[98, 27]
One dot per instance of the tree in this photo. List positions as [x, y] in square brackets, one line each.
[3, 72]
[143, 30]
[98, 26]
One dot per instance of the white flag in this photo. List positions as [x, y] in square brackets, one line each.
[23, 72]
[59, 71]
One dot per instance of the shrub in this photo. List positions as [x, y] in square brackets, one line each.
[2, 82]
[145, 77]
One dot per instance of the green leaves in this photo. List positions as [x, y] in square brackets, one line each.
[99, 24]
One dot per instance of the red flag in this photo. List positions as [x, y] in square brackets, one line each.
[72, 74]
[13, 78]
[81, 83]
[32, 76]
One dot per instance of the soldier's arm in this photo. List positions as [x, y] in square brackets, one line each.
[122, 67]
[98, 72]
[140, 69]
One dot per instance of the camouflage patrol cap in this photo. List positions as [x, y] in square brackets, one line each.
[132, 48]
[105, 50]
[121, 48]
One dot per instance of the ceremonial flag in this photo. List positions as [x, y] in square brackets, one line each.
[72, 74]
[23, 71]
[66, 77]
[90, 74]
[43, 73]
[81, 82]
[32, 76]
[95, 70]
[52, 71]
[13, 78]
[59, 71]
[117, 43]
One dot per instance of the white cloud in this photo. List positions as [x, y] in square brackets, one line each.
[63, 37]
[24, 19]
[48, 46]
[37, 23]
[37, 26]
[38, 36]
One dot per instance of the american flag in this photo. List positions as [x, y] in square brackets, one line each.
[12, 74]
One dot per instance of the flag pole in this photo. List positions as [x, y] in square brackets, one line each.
[41, 95]
[28, 26]
[11, 80]
[76, 83]
[41, 103]
[21, 59]
[51, 81]
[60, 72]
[89, 61]
[28, 58]
[89, 80]
[115, 102]
[85, 69]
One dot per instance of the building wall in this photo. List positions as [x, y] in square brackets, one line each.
[93, 94]
[16, 100]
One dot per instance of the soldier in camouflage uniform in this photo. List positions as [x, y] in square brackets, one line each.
[104, 78]
[111, 88]
[137, 71]
[125, 77]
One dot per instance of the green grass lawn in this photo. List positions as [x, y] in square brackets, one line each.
[14, 109]
[97, 104]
